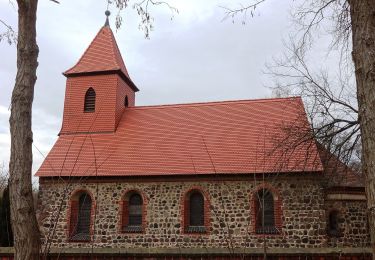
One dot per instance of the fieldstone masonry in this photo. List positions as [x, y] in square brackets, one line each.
[302, 201]
[353, 223]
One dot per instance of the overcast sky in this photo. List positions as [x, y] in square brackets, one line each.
[194, 57]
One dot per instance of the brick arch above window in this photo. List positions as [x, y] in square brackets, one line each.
[132, 212]
[194, 228]
[81, 216]
[275, 192]
[256, 226]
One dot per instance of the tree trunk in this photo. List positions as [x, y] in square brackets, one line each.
[24, 223]
[363, 32]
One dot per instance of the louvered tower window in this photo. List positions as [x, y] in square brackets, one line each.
[265, 214]
[83, 218]
[126, 101]
[90, 100]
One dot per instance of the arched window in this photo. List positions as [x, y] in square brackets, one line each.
[132, 213]
[80, 217]
[135, 210]
[265, 214]
[195, 212]
[333, 223]
[126, 101]
[90, 100]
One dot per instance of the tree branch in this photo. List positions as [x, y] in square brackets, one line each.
[229, 12]
[9, 34]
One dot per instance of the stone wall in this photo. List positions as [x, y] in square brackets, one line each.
[353, 225]
[300, 198]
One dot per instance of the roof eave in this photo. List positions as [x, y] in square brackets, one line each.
[105, 72]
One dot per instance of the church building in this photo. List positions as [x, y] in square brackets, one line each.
[212, 180]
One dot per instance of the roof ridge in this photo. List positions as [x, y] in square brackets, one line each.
[113, 42]
[120, 63]
[213, 103]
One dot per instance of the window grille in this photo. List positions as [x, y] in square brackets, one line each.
[135, 210]
[82, 228]
[196, 210]
[265, 214]
[90, 100]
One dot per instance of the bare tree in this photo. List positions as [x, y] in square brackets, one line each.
[24, 222]
[330, 102]
[355, 18]
[143, 9]
[362, 15]
[354, 30]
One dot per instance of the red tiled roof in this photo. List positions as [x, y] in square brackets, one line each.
[102, 54]
[232, 137]
[337, 173]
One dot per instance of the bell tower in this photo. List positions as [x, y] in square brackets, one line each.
[98, 87]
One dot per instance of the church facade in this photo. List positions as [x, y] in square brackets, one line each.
[206, 180]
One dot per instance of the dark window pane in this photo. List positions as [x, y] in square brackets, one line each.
[265, 212]
[135, 210]
[196, 209]
[135, 199]
[84, 218]
[333, 224]
[135, 220]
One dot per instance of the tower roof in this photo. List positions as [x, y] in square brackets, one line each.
[102, 56]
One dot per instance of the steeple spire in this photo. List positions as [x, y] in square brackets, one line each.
[107, 13]
[98, 87]
[102, 56]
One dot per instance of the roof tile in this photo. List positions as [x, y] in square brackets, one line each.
[102, 54]
[233, 137]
